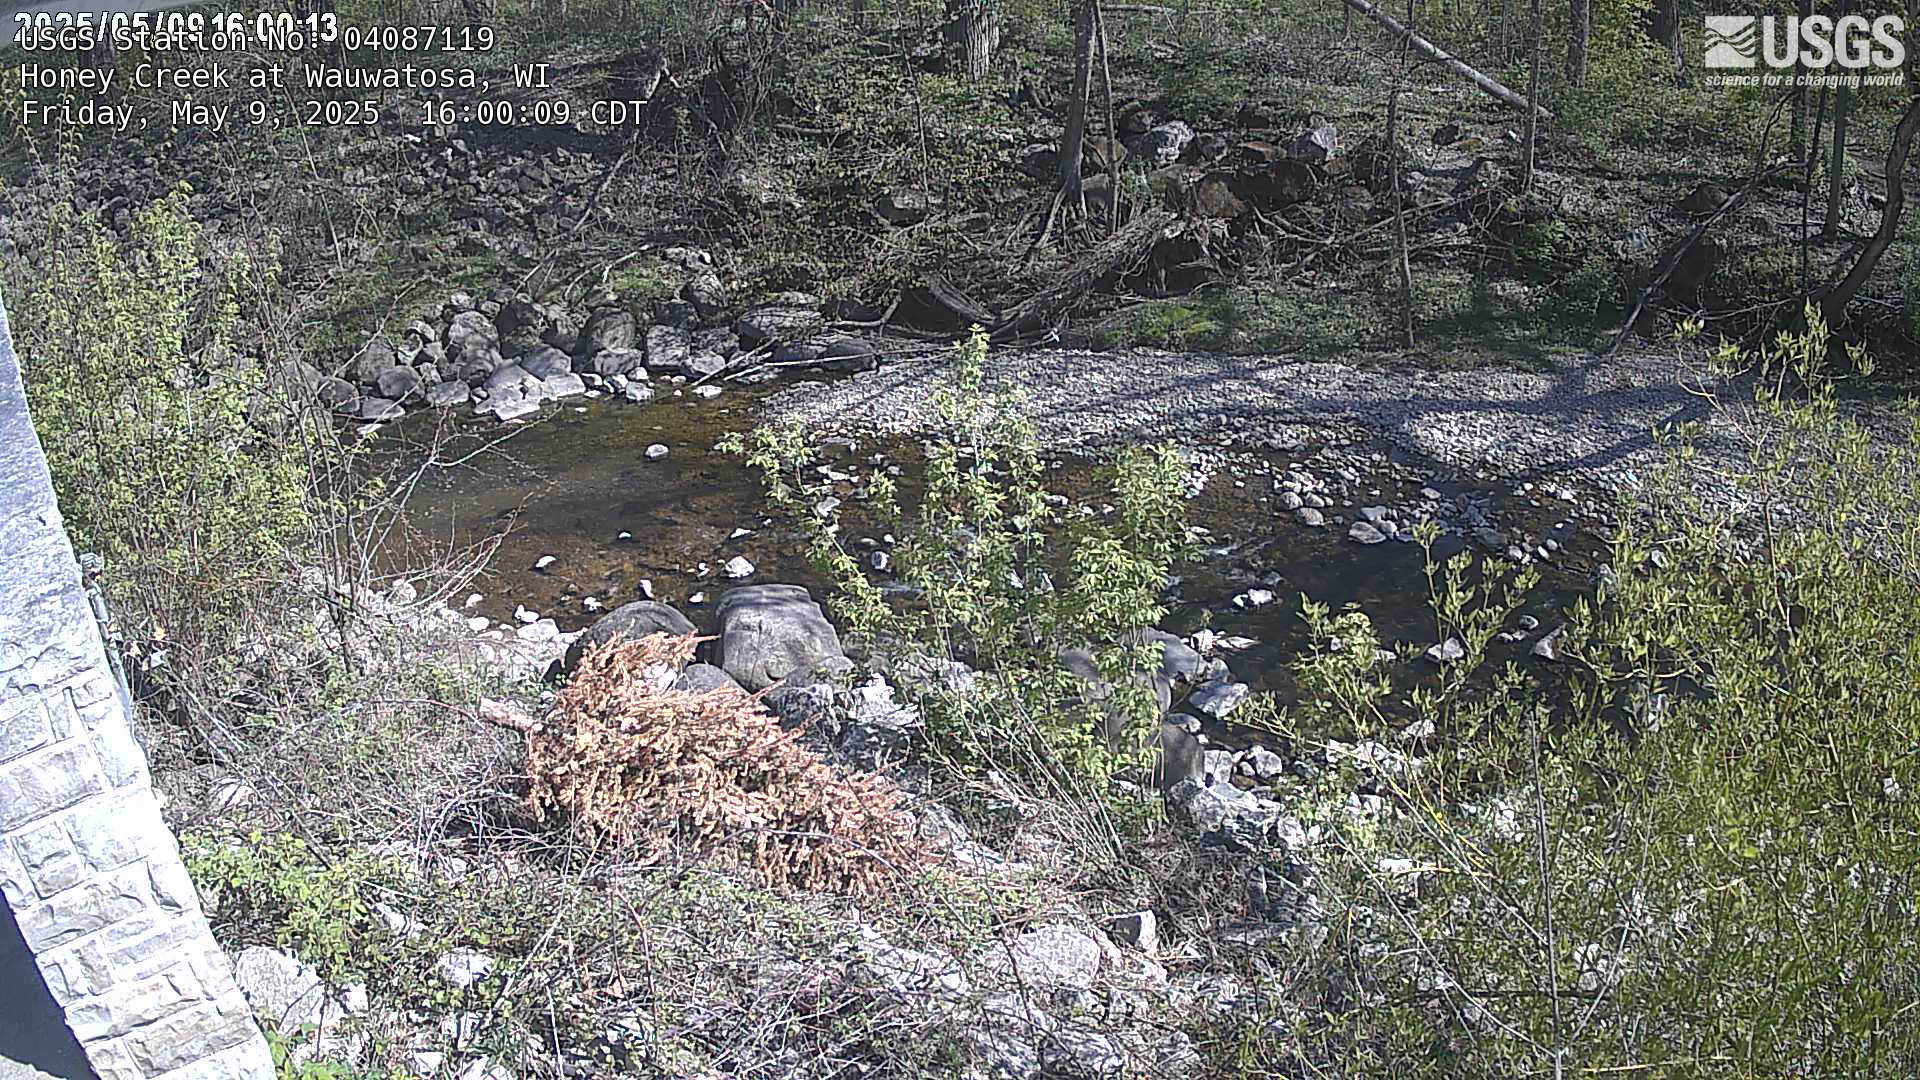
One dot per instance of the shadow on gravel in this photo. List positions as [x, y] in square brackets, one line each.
[1602, 412]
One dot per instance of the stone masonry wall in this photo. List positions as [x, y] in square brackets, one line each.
[88, 866]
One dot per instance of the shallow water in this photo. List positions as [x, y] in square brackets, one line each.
[568, 485]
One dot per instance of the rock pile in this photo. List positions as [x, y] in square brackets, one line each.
[508, 353]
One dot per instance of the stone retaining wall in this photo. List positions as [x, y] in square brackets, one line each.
[88, 866]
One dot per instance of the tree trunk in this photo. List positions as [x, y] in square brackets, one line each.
[973, 27]
[1836, 172]
[1075, 136]
[1812, 149]
[1834, 307]
[1533, 105]
[1801, 151]
[1579, 37]
[1830, 222]
[1113, 133]
[1403, 264]
[1666, 34]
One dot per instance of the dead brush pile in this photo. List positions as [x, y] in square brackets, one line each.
[654, 769]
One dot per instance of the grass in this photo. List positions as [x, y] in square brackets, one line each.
[644, 282]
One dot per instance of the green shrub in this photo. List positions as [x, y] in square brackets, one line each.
[1542, 237]
[1592, 284]
[1701, 857]
[1174, 326]
[279, 890]
[1768, 273]
[1004, 573]
[141, 401]
[640, 285]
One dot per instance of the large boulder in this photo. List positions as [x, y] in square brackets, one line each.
[546, 362]
[449, 393]
[336, 394]
[675, 313]
[511, 377]
[377, 409]
[706, 294]
[1217, 195]
[1218, 697]
[399, 384]
[471, 333]
[769, 633]
[1048, 958]
[704, 678]
[373, 360]
[610, 362]
[667, 347]
[474, 367]
[909, 974]
[608, 328]
[472, 347]
[297, 378]
[798, 352]
[511, 404]
[1162, 145]
[1224, 814]
[778, 322]
[555, 387]
[631, 621]
[293, 1000]
[703, 365]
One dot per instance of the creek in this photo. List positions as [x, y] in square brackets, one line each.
[585, 522]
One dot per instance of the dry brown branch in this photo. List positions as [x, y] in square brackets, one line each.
[1119, 251]
[627, 757]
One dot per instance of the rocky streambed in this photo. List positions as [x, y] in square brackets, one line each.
[596, 503]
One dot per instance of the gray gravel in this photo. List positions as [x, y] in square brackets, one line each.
[1589, 419]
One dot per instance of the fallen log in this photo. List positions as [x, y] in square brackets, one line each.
[950, 297]
[1042, 310]
[1440, 56]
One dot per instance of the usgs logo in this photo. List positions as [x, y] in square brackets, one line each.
[1818, 41]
